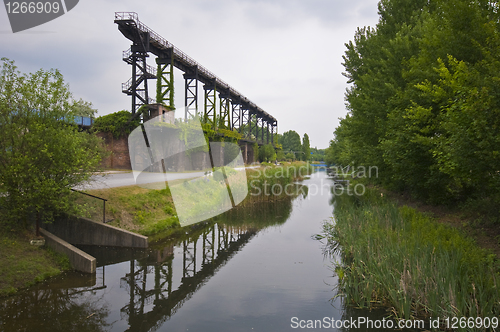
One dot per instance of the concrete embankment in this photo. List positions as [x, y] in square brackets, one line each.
[65, 232]
[76, 230]
[80, 260]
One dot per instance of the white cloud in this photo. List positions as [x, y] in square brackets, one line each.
[285, 55]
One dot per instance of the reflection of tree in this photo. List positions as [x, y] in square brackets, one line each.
[263, 214]
[54, 309]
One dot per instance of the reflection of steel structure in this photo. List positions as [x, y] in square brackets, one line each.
[152, 283]
[235, 111]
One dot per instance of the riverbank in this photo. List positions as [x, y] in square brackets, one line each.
[152, 212]
[140, 210]
[23, 264]
[485, 232]
[402, 259]
[261, 256]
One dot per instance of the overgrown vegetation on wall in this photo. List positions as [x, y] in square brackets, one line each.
[118, 123]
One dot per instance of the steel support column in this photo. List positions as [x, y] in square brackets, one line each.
[267, 132]
[236, 119]
[191, 93]
[224, 120]
[251, 124]
[273, 127]
[258, 125]
[245, 118]
[137, 85]
[210, 115]
[262, 130]
[245, 121]
[165, 81]
[256, 128]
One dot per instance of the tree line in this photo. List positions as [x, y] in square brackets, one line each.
[424, 100]
[292, 147]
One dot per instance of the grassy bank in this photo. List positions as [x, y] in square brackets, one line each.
[23, 264]
[152, 212]
[137, 209]
[397, 257]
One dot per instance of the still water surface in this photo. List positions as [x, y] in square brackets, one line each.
[251, 269]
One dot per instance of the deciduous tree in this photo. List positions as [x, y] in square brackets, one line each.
[42, 152]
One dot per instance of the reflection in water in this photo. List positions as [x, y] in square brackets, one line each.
[60, 306]
[157, 282]
[253, 267]
[204, 252]
[216, 243]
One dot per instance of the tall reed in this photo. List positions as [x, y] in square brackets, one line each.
[403, 259]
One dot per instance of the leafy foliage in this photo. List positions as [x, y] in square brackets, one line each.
[306, 147]
[291, 142]
[318, 154]
[423, 105]
[42, 152]
[267, 153]
[118, 124]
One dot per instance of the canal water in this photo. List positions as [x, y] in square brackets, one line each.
[257, 268]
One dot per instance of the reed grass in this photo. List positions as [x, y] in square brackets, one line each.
[403, 259]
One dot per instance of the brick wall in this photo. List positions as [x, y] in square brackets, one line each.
[118, 148]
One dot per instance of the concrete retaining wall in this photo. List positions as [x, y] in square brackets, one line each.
[76, 230]
[80, 260]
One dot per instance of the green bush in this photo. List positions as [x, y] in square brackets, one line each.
[118, 123]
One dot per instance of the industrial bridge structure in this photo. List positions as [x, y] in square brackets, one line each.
[224, 107]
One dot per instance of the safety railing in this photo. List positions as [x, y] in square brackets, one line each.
[100, 198]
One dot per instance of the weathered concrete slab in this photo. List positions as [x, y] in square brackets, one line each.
[80, 260]
[77, 230]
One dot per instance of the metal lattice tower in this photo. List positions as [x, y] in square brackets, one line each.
[224, 112]
[210, 115]
[137, 85]
[235, 111]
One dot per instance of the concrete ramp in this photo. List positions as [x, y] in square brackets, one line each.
[80, 260]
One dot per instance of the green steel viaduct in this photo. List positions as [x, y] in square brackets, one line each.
[233, 111]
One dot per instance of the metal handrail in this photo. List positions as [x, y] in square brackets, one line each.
[103, 203]
[149, 69]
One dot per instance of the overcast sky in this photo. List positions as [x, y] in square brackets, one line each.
[284, 55]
